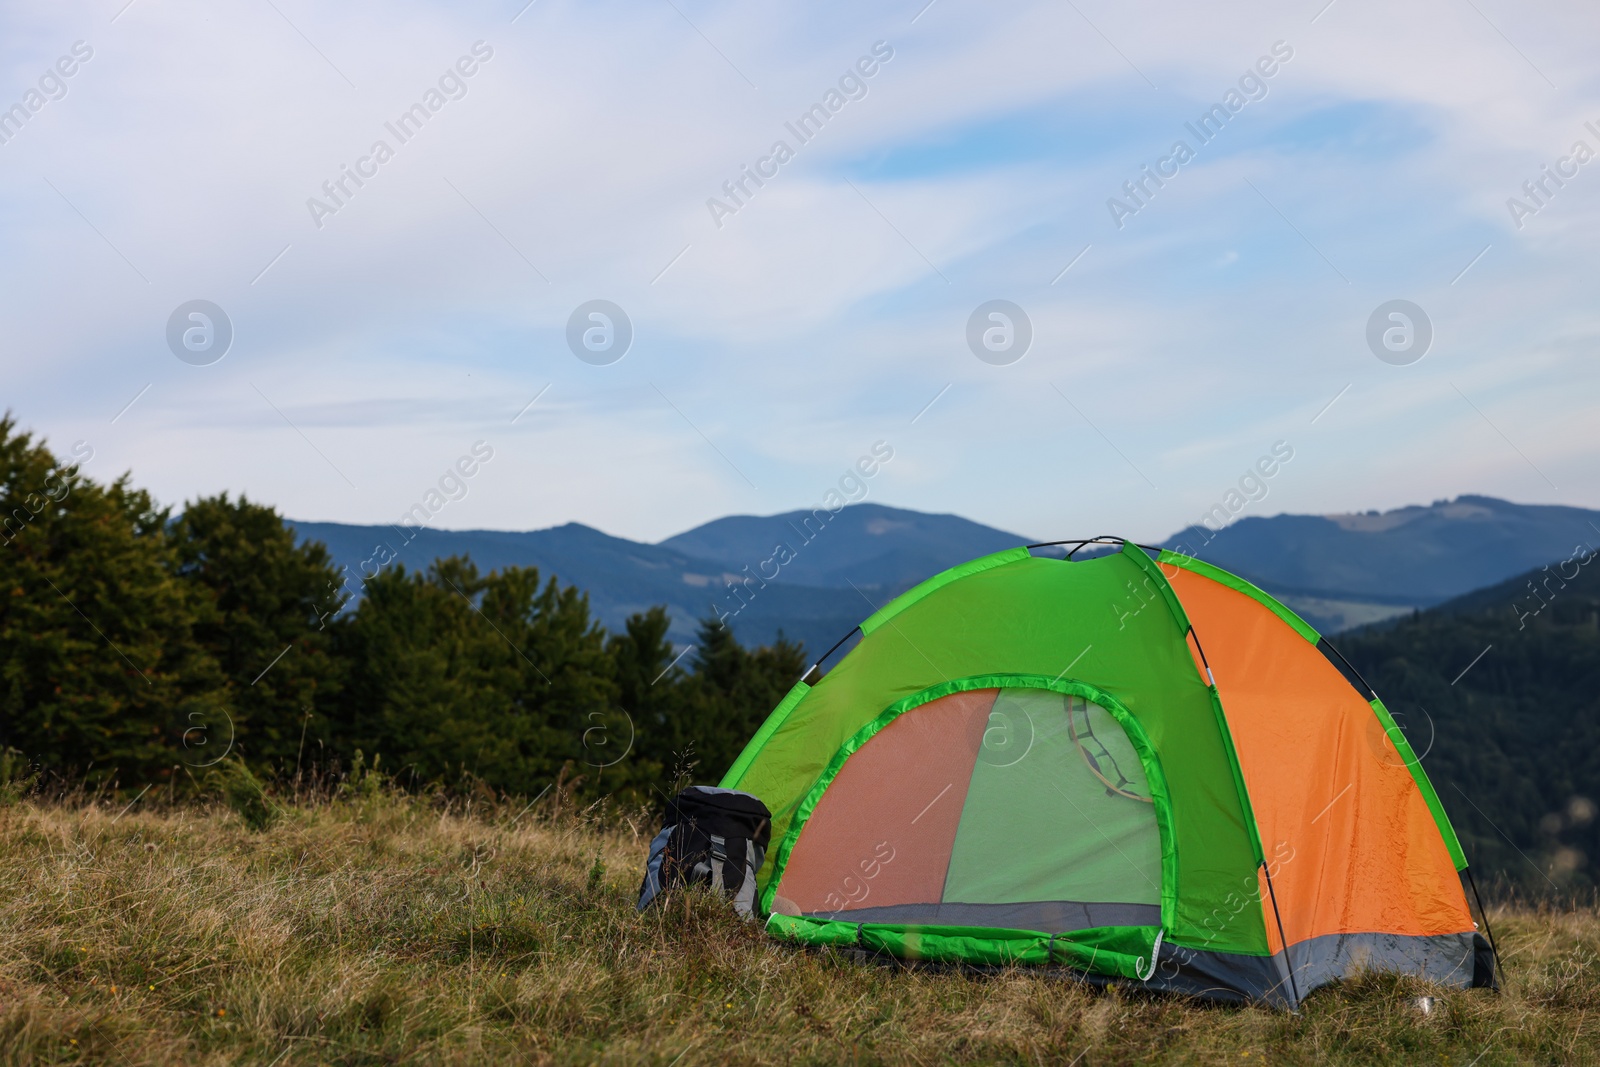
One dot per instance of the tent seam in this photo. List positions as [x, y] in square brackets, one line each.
[1151, 569]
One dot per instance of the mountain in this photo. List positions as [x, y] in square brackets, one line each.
[868, 545]
[805, 592]
[640, 574]
[1340, 571]
[1498, 692]
[815, 574]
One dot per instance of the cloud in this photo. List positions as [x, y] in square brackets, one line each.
[432, 305]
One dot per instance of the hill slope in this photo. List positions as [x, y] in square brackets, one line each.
[1501, 691]
[388, 929]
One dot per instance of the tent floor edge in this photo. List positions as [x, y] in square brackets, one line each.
[1447, 959]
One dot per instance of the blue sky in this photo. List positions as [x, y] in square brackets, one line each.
[1225, 315]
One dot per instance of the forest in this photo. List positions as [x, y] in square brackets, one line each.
[1499, 693]
[139, 648]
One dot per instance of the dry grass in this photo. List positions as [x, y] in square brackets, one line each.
[384, 930]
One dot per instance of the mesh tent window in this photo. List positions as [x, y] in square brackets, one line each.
[1015, 807]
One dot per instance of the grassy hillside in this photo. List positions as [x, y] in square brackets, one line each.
[381, 929]
[1500, 692]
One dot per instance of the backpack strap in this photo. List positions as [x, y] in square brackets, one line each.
[719, 861]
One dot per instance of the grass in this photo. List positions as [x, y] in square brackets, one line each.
[378, 928]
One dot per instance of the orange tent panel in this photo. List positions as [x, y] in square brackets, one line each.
[1348, 837]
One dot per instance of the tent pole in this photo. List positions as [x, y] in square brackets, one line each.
[816, 668]
[1473, 882]
[1287, 962]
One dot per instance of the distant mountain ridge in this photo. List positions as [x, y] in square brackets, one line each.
[1345, 570]
[869, 545]
[815, 574]
[838, 568]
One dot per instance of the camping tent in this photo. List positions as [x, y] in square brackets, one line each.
[1133, 764]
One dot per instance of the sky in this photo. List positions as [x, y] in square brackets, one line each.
[364, 337]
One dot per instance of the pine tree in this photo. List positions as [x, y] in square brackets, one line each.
[265, 608]
[732, 691]
[100, 674]
[455, 676]
[650, 693]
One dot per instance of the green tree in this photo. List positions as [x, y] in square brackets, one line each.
[731, 692]
[100, 674]
[265, 609]
[650, 692]
[453, 675]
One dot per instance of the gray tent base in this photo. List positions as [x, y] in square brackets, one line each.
[1462, 961]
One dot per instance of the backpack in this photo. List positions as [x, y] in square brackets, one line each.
[710, 836]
